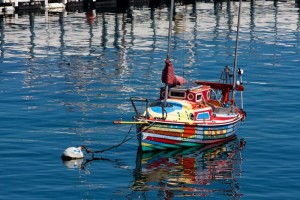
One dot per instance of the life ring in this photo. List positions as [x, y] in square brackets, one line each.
[191, 96]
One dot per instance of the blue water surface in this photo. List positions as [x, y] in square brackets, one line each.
[64, 77]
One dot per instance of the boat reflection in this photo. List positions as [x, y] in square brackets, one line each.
[190, 172]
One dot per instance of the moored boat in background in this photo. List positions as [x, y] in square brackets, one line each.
[7, 8]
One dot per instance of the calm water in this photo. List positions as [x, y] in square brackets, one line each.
[64, 77]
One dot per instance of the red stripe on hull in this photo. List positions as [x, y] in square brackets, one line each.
[189, 131]
[167, 133]
[216, 121]
[161, 140]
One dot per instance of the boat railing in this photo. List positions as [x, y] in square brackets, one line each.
[138, 101]
[226, 76]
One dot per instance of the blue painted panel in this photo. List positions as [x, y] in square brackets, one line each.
[172, 106]
[204, 115]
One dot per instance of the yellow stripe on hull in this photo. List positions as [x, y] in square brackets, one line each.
[166, 129]
[215, 132]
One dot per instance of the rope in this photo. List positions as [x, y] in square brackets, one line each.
[117, 145]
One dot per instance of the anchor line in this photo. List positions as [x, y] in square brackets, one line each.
[126, 139]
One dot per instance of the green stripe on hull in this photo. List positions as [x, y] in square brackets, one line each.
[150, 146]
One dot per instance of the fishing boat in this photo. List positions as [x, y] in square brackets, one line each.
[190, 114]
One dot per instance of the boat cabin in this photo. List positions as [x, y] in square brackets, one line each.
[192, 93]
[205, 92]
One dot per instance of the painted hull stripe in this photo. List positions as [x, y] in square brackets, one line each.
[161, 145]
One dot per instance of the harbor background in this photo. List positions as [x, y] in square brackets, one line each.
[65, 76]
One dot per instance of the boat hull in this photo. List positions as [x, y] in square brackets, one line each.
[163, 135]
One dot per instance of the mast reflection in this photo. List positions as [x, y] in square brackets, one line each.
[190, 172]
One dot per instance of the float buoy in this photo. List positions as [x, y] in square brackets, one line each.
[72, 153]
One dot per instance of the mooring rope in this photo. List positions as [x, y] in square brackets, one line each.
[117, 145]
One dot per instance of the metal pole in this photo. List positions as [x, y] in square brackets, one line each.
[169, 46]
[236, 48]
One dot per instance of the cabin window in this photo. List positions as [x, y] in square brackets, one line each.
[177, 94]
[199, 97]
[204, 115]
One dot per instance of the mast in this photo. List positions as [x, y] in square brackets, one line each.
[236, 48]
[170, 29]
[169, 45]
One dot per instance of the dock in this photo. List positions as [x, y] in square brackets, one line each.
[12, 6]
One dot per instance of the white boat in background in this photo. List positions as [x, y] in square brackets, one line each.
[55, 6]
[6, 8]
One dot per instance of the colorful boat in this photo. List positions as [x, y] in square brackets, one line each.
[187, 115]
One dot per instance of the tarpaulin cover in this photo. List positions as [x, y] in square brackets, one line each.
[169, 77]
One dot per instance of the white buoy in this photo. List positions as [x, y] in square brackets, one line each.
[72, 153]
